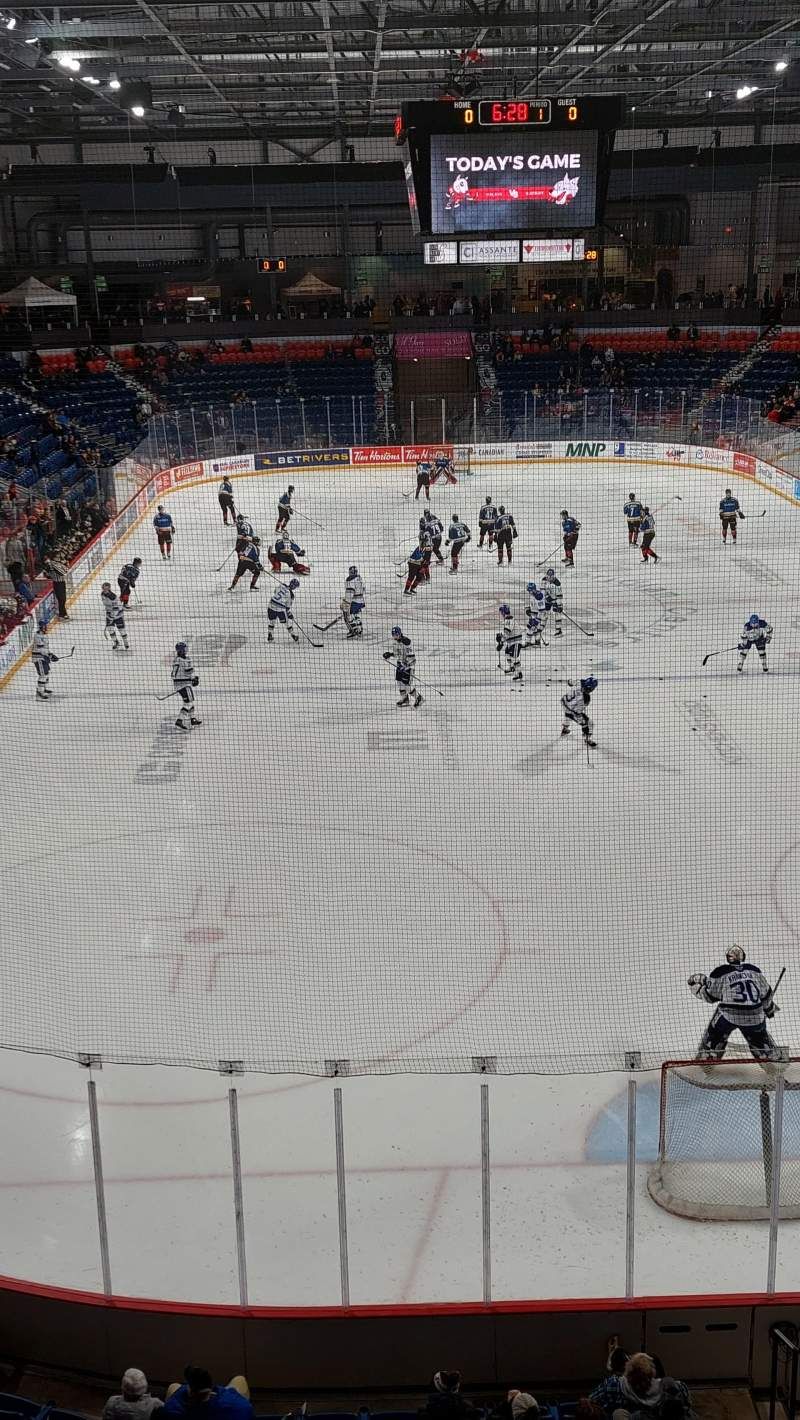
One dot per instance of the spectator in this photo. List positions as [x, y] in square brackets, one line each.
[641, 1393]
[58, 574]
[673, 331]
[445, 1401]
[62, 518]
[199, 1399]
[15, 556]
[692, 333]
[135, 1402]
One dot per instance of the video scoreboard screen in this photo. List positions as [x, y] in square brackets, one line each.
[499, 165]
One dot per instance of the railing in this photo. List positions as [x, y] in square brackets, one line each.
[784, 1348]
[338, 421]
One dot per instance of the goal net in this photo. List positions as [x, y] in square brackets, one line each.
[717, 1148]
[462, 462]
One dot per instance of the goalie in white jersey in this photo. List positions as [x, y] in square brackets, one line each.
[744, 1002]
[352, 603]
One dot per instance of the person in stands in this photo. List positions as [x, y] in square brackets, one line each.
[200, 1399]
[135, 1402]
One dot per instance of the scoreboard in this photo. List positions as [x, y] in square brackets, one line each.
[505, 165]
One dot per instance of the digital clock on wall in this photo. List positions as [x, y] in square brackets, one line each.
[513, 113]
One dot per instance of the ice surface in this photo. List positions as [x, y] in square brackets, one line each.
[313, 875]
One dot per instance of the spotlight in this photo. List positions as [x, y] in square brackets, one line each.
[137, 110]
[90, 79]
[781, 65]
[743, 92]
[114, 83]
[65, 61]
[11, 23]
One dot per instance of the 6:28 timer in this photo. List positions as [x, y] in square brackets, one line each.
[513, 113]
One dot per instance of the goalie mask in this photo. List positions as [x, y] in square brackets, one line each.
[735, 956]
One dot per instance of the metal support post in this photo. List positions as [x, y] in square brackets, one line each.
[775, 1192]
[341, 1194]
[99, 1188]
[238, 1203]
[486, 1197]
[630, 1201]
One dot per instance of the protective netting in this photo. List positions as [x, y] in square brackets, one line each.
[719, 1147]
[316, 880]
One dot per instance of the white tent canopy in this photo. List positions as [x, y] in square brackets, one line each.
[311, 286]
[33, 294]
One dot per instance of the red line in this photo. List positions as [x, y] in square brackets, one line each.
[423, 1241]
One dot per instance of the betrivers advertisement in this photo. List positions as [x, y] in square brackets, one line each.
[503, 181]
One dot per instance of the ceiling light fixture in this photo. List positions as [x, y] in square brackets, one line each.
[114, 83]
[137, 110]
[781, 65]
[11, 23]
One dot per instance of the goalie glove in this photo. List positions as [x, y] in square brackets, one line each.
[498, 640]
[697, 982]
[195, 680]
[387, 656]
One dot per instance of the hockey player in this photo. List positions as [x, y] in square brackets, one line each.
[42, 658]
[570, 528]
[245, 532]
[486, 518]
[225, 496]
[249, 561]
[509, 640]
[536, 613]
[755, 632]
[353, 603]
[165, 531]
[647, 527]
[418, 566]
[575, 705]
[184, 681]
[434, 527]
[115, 618]
[279, 611]
[443, 468]
[127, 579]
[554, 598]
[424, 475]
[284, 555]
[458, 534]
[633, 515]
[505, 530]
[402, 654]
[729, 513]
[744, 1002]
[285, 509]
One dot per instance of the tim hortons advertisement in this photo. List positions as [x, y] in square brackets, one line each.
[501, 181]
[376, 454]
[419, 453]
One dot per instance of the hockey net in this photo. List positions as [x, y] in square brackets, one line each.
[717, 1145]
[462, 463]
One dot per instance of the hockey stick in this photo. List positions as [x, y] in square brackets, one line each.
[310, 520]
[316, 644]
[328, 625]
[168, 695]
[577, 623]
[549, 555]
[428, 686]
[781, 975]
[719, 653]
[675, 498]
[227, 559]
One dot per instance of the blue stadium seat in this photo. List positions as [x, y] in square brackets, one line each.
[18, 1405]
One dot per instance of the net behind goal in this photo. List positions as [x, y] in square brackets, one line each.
[717, 1144]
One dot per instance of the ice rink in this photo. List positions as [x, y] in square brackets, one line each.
[314, 875]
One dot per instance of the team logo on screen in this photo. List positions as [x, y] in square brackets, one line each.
[561, 193]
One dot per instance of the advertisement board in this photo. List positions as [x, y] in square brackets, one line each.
[376, 454]
[489, 253]
[186, 472]
[417, 453]
[504, 180]
[236, 463]
[534, 451]
[440, 253]
[744, 463]
[547, 249]
[302, 458]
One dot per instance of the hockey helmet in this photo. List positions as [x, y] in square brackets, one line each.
[755, 619]
[735, 955]
[290, 489]
[161, 507]
[631, 495]
[397, 631]
[501, 509]
[293, 583]
[256, 541]
[42, 625]
[564, 513]
[550, 573]
[181, 648]
[505, 609]
[106, 585]
[488, 497]
[531, 587]
[352, 571]
[454, 516]
[137, 561]
[728, 493]
[589, 683]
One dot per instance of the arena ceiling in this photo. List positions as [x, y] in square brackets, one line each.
[304, 73]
